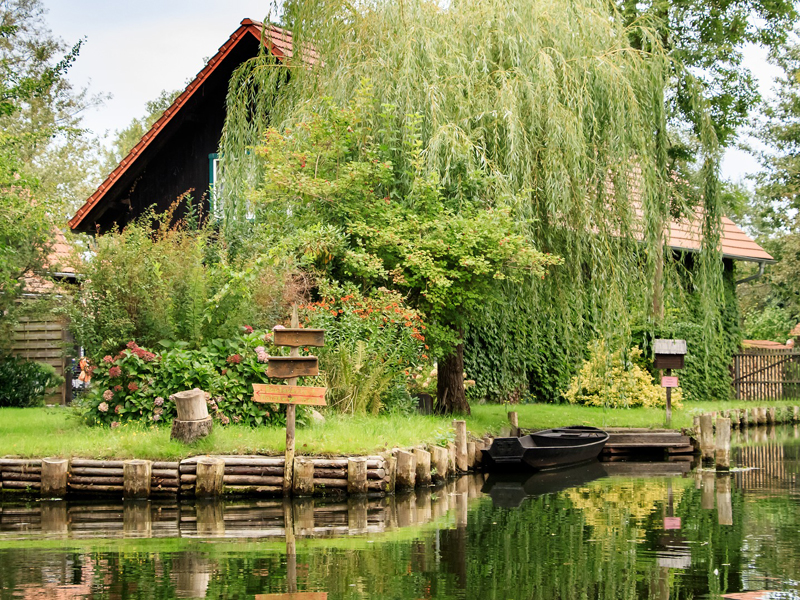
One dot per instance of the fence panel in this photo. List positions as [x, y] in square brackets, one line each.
[766, 374]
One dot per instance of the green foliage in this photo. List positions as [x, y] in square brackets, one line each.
[373, 344]
[25, 383]
[136, 384]
[771, 323]
[171, 283]
[616, 380]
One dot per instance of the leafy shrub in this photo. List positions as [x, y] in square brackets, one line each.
[616, 380]
[136, 383]
[771, 323]
[25, 383]
[373, 344]
[153, 281]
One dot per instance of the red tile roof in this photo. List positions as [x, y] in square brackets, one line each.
[279, 42]
[763, 344]
[735, 243]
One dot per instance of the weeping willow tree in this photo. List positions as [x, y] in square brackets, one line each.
[549, 102]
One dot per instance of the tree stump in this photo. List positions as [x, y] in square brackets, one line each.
[192, 422]
[54, 477]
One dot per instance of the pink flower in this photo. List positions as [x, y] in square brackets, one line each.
[133, 386]
[102, 407]
[156, 417]
[263, 357]
[118, 408]
[131, 345]
[248, 329]
[108, 358]
[114, 424]
[260, 349]
[158, 401]
[108, 395]
[114, 372]
[234, 359]
[224, 420]
[117, 388]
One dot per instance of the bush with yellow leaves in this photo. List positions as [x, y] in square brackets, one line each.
[616, 380]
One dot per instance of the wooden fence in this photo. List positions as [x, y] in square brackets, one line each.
[45, 340]
[766, 374]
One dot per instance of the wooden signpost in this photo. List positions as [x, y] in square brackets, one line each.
[290, 368]
[668, 355]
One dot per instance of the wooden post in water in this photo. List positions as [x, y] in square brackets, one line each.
[54, 477]
[707, 437]
[303, 480]
[762, 415]
[707, 493]
[406, 469]
[439, 461]
[795, 414]
[356, 475]
[772, 415]
[471, 455]
[723, 444]
[210, 477]
[461, 445]
[423, 467]
[513, 419]
[478, 454]
[390, 466]
[136, 478]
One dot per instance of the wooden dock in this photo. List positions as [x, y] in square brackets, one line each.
[633, 442]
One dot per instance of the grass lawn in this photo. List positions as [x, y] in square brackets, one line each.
[57, 431]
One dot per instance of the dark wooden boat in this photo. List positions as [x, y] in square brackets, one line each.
[546, 449]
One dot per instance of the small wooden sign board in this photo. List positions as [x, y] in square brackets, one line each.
[672, 522]
[669, 382]
[289, 394]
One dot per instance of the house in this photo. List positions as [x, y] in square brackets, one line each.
[177, 155]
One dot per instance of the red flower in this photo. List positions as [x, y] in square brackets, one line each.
[114, 372]
[117, 388]
[234, 359]
[131, 345]
[248, 329]
[108, 358]
[133, 386]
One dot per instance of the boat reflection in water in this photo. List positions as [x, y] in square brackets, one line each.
[509, 490]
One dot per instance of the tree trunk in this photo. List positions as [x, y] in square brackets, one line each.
[450, 384]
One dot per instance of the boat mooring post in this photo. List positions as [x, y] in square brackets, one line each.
[723, 444]
[707, 437]
[513, 419]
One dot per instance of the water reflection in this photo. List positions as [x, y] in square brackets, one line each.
[604, 531]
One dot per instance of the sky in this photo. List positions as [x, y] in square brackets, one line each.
[135, 49]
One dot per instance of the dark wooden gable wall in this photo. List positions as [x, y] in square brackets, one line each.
[177, 161]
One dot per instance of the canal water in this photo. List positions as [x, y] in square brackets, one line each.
[606, 531]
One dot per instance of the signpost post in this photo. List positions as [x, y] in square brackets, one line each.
[291, 368]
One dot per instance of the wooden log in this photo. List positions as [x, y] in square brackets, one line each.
[20, 462]
[15, 476]
[377, 486]
[188, 478]
[406, 470]
[189, 468]
[190, 431]
[707, 437]
[513, 420]
[696, 426]
[76, 479]
[439, 461]
[159, 464]
[461, 445]
[136, 476]
[165, 472]
[96, 464]
[451, 459]
[320, 482]
[376, 473]
[259, 471]
[423, 468]
[96, 472]
[21, 485]
[723, 444]
[478, 458]
[100, 489]
[795, 414]
[762, 415]
[373, 462]
[190, 405]
[274, 490]
[754, 416]
[303, 480]
[210, 475]
[240, 461]
[22, 469]
[251, 480]
[330, 473]
[357, 476]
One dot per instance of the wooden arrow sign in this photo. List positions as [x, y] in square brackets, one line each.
[289, 394]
